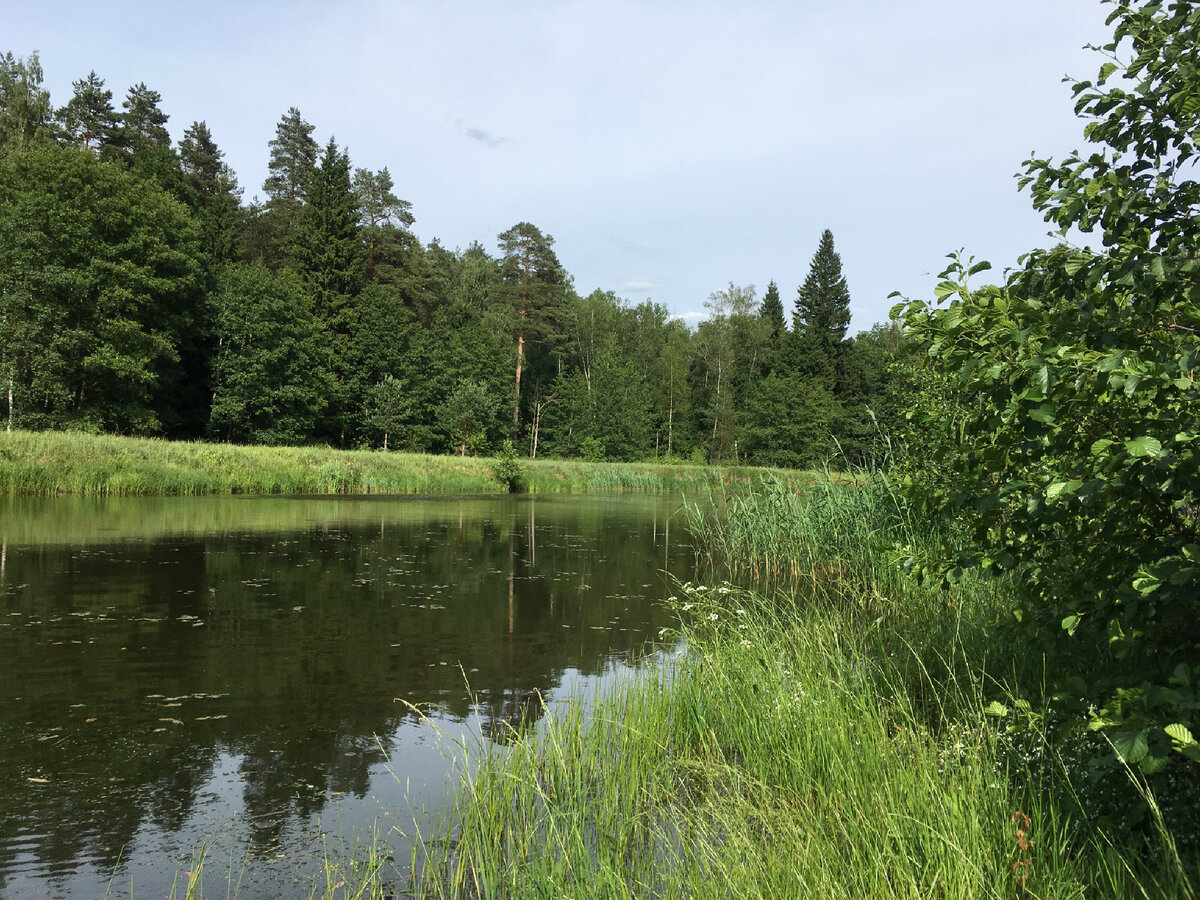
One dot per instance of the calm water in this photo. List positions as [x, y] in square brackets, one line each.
[176, 669]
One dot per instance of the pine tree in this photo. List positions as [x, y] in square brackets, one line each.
[293, 159]
[143, 123]
[821, 315]
[534, 280]
[274, 228]
[384, 219]
[89, 119]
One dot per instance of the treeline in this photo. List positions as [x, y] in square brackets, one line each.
[140, 294]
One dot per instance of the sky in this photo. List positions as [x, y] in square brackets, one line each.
[670, 147]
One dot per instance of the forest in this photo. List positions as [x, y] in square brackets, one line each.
[140, 294]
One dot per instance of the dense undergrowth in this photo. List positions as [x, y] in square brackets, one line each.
[833, 733]
[54, 463]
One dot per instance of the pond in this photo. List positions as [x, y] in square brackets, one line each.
[236, 672]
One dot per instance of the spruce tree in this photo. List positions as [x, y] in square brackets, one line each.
[212, 190]
[332, 261]
[771, 312]
[821, 315]
[329, 247]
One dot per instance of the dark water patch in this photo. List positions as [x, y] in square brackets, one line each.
[240, 669]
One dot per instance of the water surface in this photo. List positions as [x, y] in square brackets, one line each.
[239, 669]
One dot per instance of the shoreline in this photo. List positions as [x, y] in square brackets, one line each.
[51, 464]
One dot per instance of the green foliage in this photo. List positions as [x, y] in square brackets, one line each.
[534, 283]
[99, 276]
[25, 112]
[595, 375]
[730, 347]
[507, 469]
[1074, 460]
[267, 384]
[332, 262]
[781, 752]
[788, 421]
[389, 407]
[50, 463]
[772, 313]
[466, 414]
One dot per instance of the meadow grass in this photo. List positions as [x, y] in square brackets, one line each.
[831, 739]
[53, 463]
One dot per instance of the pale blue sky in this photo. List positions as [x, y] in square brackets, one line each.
[670, 147]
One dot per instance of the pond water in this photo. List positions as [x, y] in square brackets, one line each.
[235, 671]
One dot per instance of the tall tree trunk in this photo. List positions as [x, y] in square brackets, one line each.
[520, 361]
[670, 422]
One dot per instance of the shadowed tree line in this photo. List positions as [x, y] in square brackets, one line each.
[141, 294]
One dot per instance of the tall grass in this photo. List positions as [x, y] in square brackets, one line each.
[803, 744]
[52, 463]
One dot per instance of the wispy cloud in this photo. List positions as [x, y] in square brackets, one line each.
[485, 137]
[636, 286]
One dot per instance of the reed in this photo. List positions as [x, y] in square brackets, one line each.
[801, 744]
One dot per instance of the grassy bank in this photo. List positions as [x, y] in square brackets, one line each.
[834, 740]
[52, 463]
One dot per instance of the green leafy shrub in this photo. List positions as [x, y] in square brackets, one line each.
[1072, 452]
[507, 469]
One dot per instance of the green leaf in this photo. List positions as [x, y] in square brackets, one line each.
[1152, 764]
[1070, 623]
[995, 708]
[1144, 446]
[1179, 734]
[945, 289]
[1043, 414]
[1131, 746]
[1105, 70]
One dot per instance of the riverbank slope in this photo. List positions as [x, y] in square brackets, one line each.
[52, 463]
[851, 733]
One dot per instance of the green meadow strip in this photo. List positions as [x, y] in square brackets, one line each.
[54, 463]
